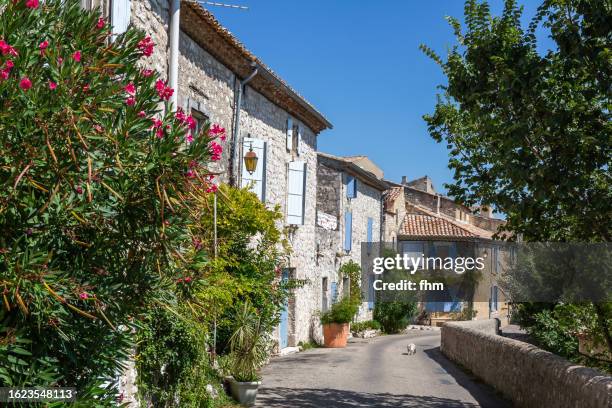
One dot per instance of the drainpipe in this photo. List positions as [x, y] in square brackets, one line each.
[236, 132]
[438, 204]
[175, 21]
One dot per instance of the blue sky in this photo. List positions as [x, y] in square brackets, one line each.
[358, 62]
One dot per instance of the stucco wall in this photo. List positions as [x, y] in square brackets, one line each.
[530, 376]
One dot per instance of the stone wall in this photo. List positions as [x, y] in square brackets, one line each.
[332, 200]
[208, 86]
[530, 376]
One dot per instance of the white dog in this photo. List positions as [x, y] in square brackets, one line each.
[411, 349]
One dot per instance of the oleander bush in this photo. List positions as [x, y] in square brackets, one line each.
[97, 179]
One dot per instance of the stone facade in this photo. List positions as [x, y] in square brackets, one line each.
[530, 376]
[211, 65]
[333, 203]
[449, 221]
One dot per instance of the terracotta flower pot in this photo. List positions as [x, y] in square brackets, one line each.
[335, 334]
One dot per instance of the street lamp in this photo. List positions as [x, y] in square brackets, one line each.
[250, 160]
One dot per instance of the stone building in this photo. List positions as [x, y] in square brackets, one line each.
[436, 225]
[349, 224]
[218, 79]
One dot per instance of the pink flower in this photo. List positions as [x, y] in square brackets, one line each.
[159, 133]
[217, 131]
[193, 164]
[52, 85]
[43, 46]
[9, 64]
[187, 279]
[191, 123]
[146, 46]
[157, 123]
[60, 60]
[4, 74]
[215, 151]
[31, 4]
[189, 138]
[212, 188]
[86, 88]
[25, 83]
[190, 174]
[142, 114]
[130, 89]
[164, 92]
[180, 115]
[98, 128]
[130, 101]
[77, 56]
[79, 190]
[84, 295]
[179, 280]
[147, 73]
[5, 48]
[101, 23]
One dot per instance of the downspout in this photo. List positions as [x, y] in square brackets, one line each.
[236, 132]
[175, 21]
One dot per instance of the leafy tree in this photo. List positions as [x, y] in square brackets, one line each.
[96, 197]
[529, 134]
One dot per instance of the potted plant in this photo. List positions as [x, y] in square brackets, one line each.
[249, 349]
[336, 323]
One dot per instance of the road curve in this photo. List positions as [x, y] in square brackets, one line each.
[373, 373]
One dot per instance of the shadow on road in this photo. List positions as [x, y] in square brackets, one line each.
[481, 392]
[324, 398]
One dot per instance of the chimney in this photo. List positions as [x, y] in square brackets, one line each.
[404, 180]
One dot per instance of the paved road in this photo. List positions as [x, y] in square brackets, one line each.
[373, 373]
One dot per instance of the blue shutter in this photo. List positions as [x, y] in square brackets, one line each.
[495, 298]
[348, 230]
[370, 226]
[120, 16]
[334, 292]
[371, 293]
[351, 187]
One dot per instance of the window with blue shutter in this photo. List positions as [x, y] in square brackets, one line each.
[348, 230]
[351, 187]
[369, 237]
[371, 293]
[296, 194]
[120, 16]
[493, 307]
[334, 292]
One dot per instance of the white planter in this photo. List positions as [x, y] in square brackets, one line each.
[244, 392]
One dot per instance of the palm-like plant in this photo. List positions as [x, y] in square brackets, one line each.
[249, 345]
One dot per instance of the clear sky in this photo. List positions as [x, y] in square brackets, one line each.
[358, 62]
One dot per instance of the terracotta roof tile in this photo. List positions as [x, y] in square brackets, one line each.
[421, 225]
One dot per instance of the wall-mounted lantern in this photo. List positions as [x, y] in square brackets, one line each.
[250, 160]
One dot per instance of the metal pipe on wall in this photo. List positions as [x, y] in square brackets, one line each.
[175, 29]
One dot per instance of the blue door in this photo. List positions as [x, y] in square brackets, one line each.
[284, 318]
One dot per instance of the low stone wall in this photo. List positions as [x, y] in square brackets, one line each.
[529, 376]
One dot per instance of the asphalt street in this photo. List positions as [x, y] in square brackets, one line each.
[374, 372]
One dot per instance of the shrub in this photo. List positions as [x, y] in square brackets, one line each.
[394, 316]
[249, 345]
[340, 312]
[367, 325]
[250, 256]
[95, 204]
